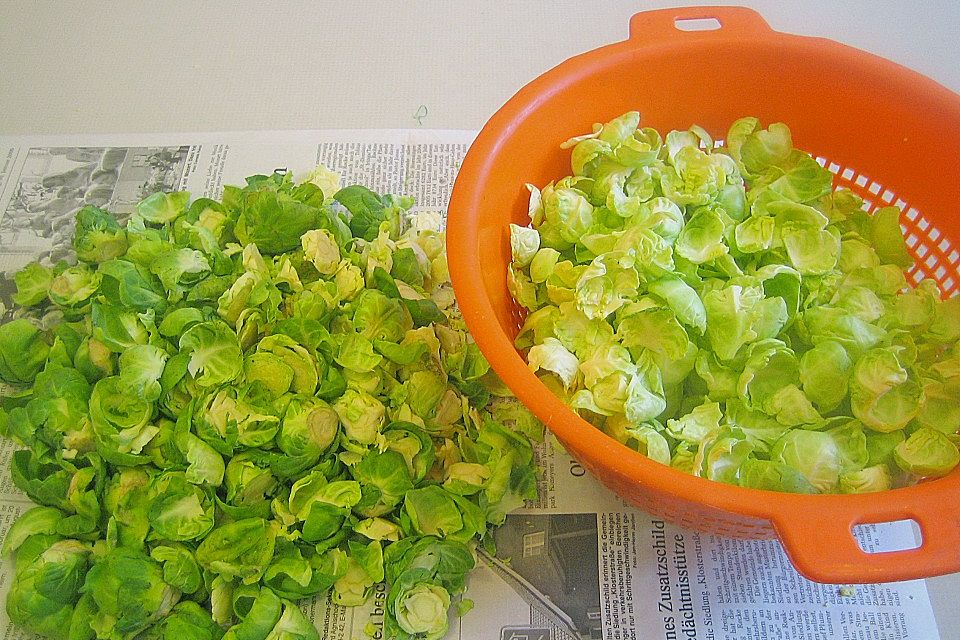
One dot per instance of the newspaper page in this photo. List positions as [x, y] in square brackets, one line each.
[578, 563]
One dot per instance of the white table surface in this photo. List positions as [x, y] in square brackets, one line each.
[85, 67]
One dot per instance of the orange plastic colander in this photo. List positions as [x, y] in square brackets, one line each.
[888, 133]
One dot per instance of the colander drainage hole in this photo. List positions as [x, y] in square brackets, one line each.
[888, 536]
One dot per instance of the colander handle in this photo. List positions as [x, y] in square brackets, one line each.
[822, 547]
[697, 22]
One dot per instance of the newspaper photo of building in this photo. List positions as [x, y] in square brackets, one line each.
[550, 561]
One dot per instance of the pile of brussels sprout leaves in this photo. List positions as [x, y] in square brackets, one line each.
[726, 312]
[229, 406]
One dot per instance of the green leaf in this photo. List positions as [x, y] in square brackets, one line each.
[238, 550]
[49, 576]
[163, 208]
[887, 238]
[215, 353]
[129, 593]
[366, 209]
[424, 312]
[33, 283]
[274, 221]
[98, 237]
[22, 351]
[773, 476]
[433, 511]
[927, 453]
[406, 267]
[140, 369]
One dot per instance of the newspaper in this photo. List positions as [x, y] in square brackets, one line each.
[578, 563]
